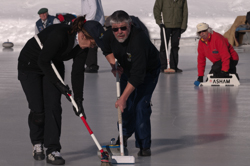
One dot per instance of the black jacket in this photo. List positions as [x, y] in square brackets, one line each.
[137, 55]
[57, 47]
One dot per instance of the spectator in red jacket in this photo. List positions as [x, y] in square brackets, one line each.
[218, 50]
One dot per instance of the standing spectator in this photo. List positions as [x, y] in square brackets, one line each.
[45, 20]
[174, 21]
[139, 69]
[93, 11]
[218, 50]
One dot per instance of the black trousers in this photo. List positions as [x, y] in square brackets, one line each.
[91, 61]
[174, 34]
[216, 67]
[43, 97]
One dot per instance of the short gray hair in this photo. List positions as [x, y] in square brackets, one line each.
[120, 16]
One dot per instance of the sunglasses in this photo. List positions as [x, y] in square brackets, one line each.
[121, 28]
[202, 31]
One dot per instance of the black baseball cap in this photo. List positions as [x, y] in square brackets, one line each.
[95, 30]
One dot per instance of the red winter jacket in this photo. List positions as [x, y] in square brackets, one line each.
[217, 48]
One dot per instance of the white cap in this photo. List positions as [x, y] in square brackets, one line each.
[202, 26]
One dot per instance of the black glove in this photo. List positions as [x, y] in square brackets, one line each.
[182, 31]
[162, 26]
[200, 79]
[64, 89]
[80, 108]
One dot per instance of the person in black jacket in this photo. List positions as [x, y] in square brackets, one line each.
[42, 87]
[139, 70]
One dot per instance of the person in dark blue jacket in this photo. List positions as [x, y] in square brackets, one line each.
[45, 20]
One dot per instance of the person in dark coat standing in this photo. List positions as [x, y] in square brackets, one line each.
[42, 87]
[139, 69]
[172, 15]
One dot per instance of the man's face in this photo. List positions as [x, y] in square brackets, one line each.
[204, 34]
[121, 31]
[43, 16]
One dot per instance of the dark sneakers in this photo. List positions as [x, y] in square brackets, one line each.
[144, 152]
[125, 140]
[178, 70]
[38, 153]
[55, 158]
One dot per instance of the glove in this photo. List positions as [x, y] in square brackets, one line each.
[60, 17]
[182, 31]
[80, 108]
[162, 26]
[200, 79]
[64, 89]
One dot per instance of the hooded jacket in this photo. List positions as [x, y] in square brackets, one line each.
[215, 49]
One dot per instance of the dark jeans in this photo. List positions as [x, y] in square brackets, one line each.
[136, 116]
[174, 34]
[91, 61]
[43, 97]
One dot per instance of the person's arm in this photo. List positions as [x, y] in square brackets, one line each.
[201, 59]
[157, 12]
[121, 102]
[224, 53]
[185, 16]
[53, 45]
[111, 59]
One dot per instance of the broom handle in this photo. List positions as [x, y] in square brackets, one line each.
[119, 110]
[166, 45]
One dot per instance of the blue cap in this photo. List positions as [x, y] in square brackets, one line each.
[95, 30]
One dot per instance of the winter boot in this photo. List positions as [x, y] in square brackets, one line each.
[144, 152]
[55, 158]
[38, 152]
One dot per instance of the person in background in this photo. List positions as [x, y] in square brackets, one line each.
[218, 50]
[45, 20]
[139, 71]
[93, 11]
[172, 15]
[42, 87]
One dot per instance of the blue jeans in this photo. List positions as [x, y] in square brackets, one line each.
[136, 116]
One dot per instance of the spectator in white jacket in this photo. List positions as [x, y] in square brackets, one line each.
[93, 11]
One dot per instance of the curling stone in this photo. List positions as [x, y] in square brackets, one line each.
[112, 149]
[8, 44]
